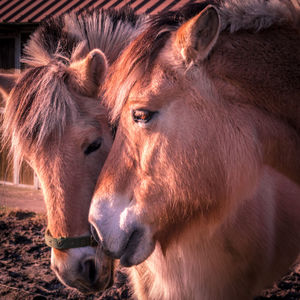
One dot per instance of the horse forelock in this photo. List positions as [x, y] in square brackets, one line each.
[139, 57]
[39, 107]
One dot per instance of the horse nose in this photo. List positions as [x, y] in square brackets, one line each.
[89, 270]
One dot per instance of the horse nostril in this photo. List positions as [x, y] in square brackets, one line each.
[95, 235]
[89, 270]
[101, 243]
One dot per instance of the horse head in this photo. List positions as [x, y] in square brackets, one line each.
[201, 131]
[55, 120]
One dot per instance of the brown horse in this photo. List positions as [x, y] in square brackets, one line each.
[198, 194]
[53, 118]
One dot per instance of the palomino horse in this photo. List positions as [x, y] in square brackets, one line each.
[54, 120]
[197, 194]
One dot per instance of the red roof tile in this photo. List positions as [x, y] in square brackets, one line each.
[34, 11]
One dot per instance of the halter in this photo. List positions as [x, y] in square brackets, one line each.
[63, 243]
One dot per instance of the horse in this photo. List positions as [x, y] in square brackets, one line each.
[54, 120]
[199, 195]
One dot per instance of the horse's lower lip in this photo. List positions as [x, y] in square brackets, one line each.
[125, 261]
[97, 287]
[132, 244]
[83, 287]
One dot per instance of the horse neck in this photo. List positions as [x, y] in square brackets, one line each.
[264, 67]
[194, 267]
[258, 71]
[234, 260]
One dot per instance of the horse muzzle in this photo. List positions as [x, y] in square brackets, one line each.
[121, 234]
[86, 269]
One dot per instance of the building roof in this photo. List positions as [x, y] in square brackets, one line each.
[35, 11]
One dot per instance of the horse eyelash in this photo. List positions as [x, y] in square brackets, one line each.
[93, 146]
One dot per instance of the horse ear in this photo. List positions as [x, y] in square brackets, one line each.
[7, 83]
[89, 72]
[196, 38]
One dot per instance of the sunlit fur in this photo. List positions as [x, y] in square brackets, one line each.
[54, 113]
[214, 175]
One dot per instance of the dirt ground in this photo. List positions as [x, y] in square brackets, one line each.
[25, 260]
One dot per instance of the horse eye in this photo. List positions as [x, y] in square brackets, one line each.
[142, 116]
[93, 146]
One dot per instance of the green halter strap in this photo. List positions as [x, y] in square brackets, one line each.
[63, 243]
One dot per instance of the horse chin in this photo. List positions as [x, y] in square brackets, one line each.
[139, 247]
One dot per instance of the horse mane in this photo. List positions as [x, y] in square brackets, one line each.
[41, 105]
[57, 38]
[140, 55]
[254, 15]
